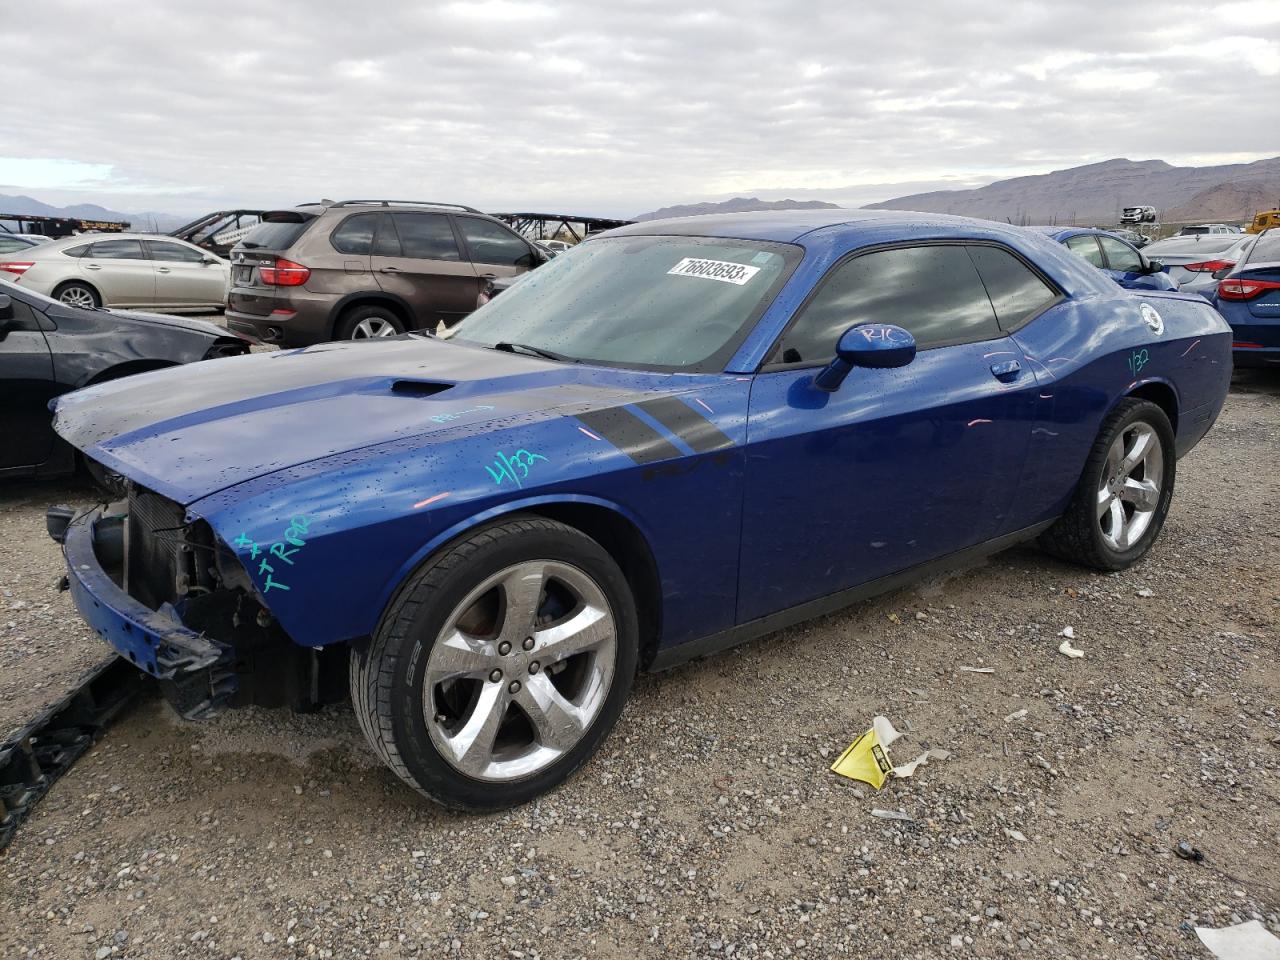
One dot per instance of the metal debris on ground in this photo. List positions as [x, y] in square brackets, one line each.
[977, 670]
[1244, 941]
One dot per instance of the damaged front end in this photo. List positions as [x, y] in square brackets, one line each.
[160, 587]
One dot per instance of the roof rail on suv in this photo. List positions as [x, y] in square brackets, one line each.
[391, 203]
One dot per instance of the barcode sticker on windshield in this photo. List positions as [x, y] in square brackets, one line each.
[721, 270]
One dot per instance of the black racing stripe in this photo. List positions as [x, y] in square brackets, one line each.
[630, 434]
[686, 423]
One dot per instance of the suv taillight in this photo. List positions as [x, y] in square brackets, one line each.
[18, 267]
[1241, 289]
[284, 273]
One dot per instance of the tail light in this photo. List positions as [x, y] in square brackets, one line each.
[1239, 288]
[1209, 266]
[284, 273]
[17, 267]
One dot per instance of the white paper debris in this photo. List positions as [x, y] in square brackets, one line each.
[884, 731]
[1015, 835]
[892, 815]
[1146, 592]
[977, 670]
[1068, 632]
[1016, 715]
[907, 769]
[1244, 941]
[1067, 650]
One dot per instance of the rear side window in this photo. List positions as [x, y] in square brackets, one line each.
[934, 291]
[354, 235]
[426, 236]
[174, 252]
[1016, 291]
[80, 251]
[276, 234]
[1086, 246]
[1121, 256]
[117, 250]
[492, 243]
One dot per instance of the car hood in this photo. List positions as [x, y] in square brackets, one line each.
[190, 431]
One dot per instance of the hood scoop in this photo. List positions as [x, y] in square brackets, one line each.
[419, 388]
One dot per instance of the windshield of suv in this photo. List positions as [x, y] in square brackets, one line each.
[673, 303]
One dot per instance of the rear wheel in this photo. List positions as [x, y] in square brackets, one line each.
[77, 294]
[1124, 493]
[363, 323]
[500, 666]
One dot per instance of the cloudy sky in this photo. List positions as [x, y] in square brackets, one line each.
[616, 108]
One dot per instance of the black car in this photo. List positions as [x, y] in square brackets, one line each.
[48, 348]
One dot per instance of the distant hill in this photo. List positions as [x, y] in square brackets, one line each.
[144, 222]
[736, 205]
[1097, 191]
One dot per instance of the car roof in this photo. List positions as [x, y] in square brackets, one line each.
[1061, 233]
[788, 226]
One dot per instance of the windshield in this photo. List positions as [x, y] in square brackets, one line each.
[669, 303]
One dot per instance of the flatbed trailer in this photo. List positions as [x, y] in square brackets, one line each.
[56, 227]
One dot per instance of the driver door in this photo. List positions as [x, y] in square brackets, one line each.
[896, 467]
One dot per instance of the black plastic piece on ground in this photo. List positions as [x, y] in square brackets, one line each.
[56, 520]
[42, 751]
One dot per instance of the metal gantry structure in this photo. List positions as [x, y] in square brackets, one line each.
[549, 226]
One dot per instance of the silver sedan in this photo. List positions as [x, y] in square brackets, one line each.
[127, 270]
[1197, 263]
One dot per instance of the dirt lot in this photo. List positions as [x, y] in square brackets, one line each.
[709, 826]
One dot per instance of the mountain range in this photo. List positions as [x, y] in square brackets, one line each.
[736, 205]
[29, 206]
[1097, 191]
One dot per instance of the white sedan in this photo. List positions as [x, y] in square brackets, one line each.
[127, 270]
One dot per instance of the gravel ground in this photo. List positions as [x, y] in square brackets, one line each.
[709, 825]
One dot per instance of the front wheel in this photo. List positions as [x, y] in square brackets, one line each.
[500, 666]
[1124, 493]
[363, 323]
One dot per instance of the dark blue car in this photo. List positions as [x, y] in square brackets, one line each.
[675, 437]
[1249, 298]
[1113, 255]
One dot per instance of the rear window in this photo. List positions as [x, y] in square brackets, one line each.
[278, 231]
[1266, 249]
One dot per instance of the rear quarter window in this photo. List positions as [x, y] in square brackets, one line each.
[1266, 249]
[1017, 292]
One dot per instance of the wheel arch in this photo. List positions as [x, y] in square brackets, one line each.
[609, 524]
[370, 298]
[127, 369]
[1162, 394]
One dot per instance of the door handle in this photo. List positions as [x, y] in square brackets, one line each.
[162, 269]
[389, 270]
[92, 266]
[1007, 370]
[488, 276]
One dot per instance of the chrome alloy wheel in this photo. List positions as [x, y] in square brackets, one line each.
[374, 327]
[77, 297]
[1129, 491]
[520, 671]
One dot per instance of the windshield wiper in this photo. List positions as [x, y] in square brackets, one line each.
[533, 351]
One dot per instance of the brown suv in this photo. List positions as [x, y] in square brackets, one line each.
[367, 268]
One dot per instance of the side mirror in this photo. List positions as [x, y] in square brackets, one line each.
[877, 346]
[6, 307]
[1155, 266]
[209, 261]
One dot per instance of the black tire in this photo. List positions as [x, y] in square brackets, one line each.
[348, 326]
[387, 675]
[1077, 535]
[77, 286]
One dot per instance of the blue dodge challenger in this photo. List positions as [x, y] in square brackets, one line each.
[676, 437]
